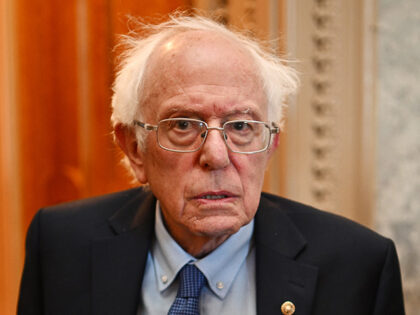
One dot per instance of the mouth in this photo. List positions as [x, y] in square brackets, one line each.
[215, 195]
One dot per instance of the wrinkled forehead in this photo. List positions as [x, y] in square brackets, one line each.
[201, 57]
[192, 51]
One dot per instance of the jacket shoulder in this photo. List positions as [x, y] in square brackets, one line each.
[324, 229]
[92, 208]
[82, 220]
[354, 264]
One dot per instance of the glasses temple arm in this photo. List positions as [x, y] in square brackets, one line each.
[275, 129]
[144, 125]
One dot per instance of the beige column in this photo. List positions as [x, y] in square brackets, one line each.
[331, 121]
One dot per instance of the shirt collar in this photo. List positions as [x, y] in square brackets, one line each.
[220, 267]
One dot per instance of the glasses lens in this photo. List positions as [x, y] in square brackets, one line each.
[247, 136]
[181, 134]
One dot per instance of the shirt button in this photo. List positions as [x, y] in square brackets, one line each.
[164, 278]
[220, 285]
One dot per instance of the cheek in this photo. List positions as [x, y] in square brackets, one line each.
[167, 173]
[161, 163]
[251, 170]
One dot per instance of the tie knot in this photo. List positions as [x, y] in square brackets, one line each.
[191, 282]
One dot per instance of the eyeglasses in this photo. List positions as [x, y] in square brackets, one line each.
[189, 135]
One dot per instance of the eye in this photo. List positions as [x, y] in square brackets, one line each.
[240, 125]
[183, 124]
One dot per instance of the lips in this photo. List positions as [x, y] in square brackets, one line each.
[214, 195]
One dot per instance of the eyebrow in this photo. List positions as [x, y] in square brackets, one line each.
[191, 111]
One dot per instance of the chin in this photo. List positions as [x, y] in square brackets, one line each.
[219, 228]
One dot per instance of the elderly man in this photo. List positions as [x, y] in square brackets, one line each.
[196, 110]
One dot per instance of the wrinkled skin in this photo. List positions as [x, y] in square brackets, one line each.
[203, 76]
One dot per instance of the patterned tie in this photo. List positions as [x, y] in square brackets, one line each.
[191, 281]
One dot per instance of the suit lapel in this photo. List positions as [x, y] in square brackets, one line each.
[118, 262]
[280, 277]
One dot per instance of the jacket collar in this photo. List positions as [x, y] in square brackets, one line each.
[281, 276]
[118, 262]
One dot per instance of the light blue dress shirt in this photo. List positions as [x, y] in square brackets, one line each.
[229, 269]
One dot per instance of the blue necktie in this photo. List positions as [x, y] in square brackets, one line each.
[191, 281]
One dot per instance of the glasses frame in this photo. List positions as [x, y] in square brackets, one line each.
[274, 129]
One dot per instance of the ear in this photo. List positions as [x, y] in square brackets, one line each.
[127, 141]
[274, 144]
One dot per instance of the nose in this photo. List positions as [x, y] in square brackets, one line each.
[214, 153]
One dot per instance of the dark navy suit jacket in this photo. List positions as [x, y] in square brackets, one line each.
[89, 256]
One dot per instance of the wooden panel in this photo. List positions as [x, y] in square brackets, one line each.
[98, 154]
[47, 83]
[64, 78]
[10, 227]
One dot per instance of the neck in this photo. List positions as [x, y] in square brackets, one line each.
[200, 246]
[197, 245]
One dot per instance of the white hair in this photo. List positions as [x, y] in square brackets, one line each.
[279, 80]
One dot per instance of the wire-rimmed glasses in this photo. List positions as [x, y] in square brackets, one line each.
[188, 135]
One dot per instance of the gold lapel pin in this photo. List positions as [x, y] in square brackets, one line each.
[288, 308]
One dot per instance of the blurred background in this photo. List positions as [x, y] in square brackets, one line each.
[352, 143]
